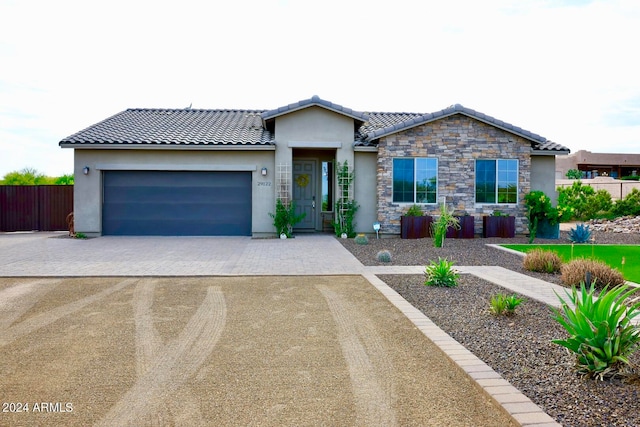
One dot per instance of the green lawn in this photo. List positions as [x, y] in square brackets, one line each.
[611, 254]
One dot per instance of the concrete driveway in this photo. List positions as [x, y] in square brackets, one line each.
[52, 254]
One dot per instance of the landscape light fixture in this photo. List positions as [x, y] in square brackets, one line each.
[85, 170]
[263, 172]
[376, 227]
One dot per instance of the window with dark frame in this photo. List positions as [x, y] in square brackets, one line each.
[497, 181]
[415, 180]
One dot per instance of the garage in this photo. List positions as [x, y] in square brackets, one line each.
[176, 203]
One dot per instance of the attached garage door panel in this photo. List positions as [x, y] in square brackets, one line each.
[162, 203]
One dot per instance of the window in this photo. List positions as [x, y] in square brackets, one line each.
[327, 186]
[496, 181]
[415, 180]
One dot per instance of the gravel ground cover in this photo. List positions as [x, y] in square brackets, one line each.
[518, 347]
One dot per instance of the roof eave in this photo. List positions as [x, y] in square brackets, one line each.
[444, 114]
[186, 147]
[550, 152]
[314, 101]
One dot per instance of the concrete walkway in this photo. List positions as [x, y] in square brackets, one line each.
[52, 255]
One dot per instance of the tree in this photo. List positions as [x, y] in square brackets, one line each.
[26, 176]
[573, 174]
[66, 179]
[31, 176]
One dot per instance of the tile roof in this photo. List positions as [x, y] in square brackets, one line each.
[249, 127]
[412, 120]
[176, 127]
[314, 100]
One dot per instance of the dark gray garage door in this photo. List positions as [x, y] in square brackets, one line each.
[162, 203]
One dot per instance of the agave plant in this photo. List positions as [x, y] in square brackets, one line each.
[580, 234]
[601, 333]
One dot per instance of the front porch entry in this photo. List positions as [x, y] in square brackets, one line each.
[312, 185]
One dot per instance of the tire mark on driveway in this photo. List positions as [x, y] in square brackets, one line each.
[43, 319]
[18, 299]
[173, 365]
[374, 403]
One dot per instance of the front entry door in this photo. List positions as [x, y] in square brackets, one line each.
[304, 192]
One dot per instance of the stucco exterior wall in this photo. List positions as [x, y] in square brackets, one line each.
[456, 141]
[365, 191]
[88, 188]
[542, 168]
[314, 132]
[315, 128]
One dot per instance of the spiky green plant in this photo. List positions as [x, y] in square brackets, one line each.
[601, 334]
[439, 226]
[504, 304]
[580, 234]
[441, 273]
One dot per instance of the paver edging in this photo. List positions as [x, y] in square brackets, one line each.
[520, 409]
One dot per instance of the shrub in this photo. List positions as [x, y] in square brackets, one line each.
[582, 202]
[285, 217]
[361, 239]
[580, 234]
[597, 204]
[573, 174]
[542, 261]
[575, 272]
[630, 205]
[501, 303]
[384, 256]
[601, 334]
[414, 210]
[574, 199]
[441, 273]
[538, 209]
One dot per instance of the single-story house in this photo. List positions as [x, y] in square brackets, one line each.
[149, 171]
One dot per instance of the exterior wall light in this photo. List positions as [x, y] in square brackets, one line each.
[85, 170]
[263, 172]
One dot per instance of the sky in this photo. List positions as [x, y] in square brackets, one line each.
[567, 70]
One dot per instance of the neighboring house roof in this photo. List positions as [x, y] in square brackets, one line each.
[255, 127]
[176, 127]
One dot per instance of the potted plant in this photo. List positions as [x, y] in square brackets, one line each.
[498, 224]
[414, 224]
[439, 228]
[466, 229]
[544, 219]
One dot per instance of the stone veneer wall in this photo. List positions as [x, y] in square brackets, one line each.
[456, 141]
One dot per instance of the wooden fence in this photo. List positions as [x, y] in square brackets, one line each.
[35, 207]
